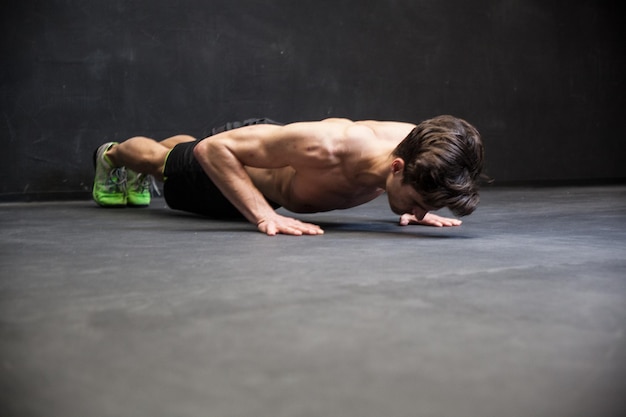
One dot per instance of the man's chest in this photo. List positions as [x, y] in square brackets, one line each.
[326, 191]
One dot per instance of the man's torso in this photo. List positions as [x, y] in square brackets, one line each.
[342, 184]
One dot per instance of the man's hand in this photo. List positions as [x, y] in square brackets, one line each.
[429, 220]
[288, 226]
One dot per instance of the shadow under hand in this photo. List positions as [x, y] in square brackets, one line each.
[393, 228]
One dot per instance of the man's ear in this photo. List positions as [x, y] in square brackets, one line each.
[397, 166]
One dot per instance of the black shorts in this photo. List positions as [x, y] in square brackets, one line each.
[187, 187]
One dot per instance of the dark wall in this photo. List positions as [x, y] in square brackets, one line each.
[542, 80]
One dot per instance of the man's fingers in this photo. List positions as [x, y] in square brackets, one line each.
[292, 231]
[406, 219]
[299, 231]
[306, 229]
[288, 226]
[429, 220]
[312, 229]
[300, 228]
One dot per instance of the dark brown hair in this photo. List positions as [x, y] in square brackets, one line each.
[443, 159]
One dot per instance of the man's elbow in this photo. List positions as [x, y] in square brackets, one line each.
[204, 150]
[213, 155]
[200, 150]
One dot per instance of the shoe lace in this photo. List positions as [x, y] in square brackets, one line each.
[116, 180]
[147, 183]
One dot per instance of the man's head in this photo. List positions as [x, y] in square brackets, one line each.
[443, 160]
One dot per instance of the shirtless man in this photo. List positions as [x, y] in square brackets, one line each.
[304, 167]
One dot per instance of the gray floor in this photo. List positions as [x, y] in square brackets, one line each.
[131, 312]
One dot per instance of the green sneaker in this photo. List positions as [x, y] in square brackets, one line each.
[109, 185]
[138, 188]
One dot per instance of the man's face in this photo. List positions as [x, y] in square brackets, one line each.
[403, 198]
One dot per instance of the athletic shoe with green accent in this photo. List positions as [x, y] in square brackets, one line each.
[109, 185]
[138, 188]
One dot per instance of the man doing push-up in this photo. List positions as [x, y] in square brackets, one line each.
[249, 169]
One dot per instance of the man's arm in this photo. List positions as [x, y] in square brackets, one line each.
[224, 156]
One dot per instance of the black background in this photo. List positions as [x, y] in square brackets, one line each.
[542, 80]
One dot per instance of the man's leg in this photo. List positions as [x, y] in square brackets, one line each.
[144, 155]
[169, 143]
[125, 171]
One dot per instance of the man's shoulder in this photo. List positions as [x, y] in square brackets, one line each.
[374, 129]
[337, 120]
[388, 130]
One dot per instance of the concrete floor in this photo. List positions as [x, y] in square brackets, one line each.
[151, 312]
